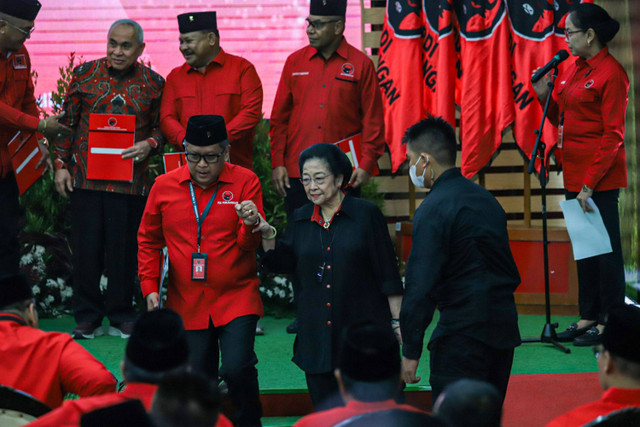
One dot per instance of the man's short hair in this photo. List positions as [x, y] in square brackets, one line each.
[186, 398]
[433, 135]
[136, 28]
[469, 403]
[15, 291]
[621, 337]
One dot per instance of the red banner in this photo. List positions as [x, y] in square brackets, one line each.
[400, 73]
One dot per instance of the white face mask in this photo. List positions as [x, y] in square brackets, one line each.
[418, 181]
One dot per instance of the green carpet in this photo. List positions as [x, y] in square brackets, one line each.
[277, 372]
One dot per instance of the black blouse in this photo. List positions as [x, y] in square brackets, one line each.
[343, 274]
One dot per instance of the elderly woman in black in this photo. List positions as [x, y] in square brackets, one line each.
[339, 248]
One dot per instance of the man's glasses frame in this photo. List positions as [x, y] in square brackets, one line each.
[209, 158]
[319, 24]
[22, 30]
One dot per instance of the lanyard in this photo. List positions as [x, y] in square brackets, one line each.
[200, 218]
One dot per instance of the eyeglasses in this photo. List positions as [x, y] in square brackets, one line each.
[209, 158]
[318, 180]
[22, 30]
[319, 24]
[569, 33]
[597, 350]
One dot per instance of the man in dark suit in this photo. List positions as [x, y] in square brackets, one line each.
[460, 262]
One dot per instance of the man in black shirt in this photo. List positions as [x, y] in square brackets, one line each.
[460, 262]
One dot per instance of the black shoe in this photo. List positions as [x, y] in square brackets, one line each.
[572, 332]
[293, 327]
[589, 338]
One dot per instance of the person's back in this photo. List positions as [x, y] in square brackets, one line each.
[47, 365]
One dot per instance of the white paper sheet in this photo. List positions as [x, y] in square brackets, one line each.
[588, 235]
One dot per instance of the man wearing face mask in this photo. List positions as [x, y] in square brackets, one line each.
[460, 262]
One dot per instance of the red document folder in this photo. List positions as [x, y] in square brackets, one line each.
[173, 161]
[25, 155]
[109, 134]
[351, 147]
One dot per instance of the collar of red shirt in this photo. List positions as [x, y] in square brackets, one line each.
[129, 72]
[12, 317]
[347, 207]
[225, 176]
[218, 61]
[593, 62]
[343, 50]
[622, 395]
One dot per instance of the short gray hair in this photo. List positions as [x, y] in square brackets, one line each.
[136, 28]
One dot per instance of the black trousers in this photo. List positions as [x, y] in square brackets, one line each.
[601, 282]
[455, 357]
[324, 391]
[11, 222]
[104, 229]
[234, 344]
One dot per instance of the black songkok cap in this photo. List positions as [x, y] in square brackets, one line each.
[14, 289]
[621, 335]
[197, 21]
[23, 9]
[205, 130]
[338, 162]
[328, 7]
[369, 352]
[130, 413]
[158, 342]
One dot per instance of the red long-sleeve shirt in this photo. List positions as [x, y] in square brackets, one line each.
[71, 411]
[322, 100]
[229, 87]
[614, 399]
[592, 95]
[48, 365]
[231, 286]
[18, 109]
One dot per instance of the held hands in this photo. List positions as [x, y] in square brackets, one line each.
[138, 152]
[541, 86]
[248, 212]
[280, 180]
[52, 129]
[359, 177]
[409, 369]
[152, 301]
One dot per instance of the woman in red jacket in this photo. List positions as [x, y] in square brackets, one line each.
[589, 107]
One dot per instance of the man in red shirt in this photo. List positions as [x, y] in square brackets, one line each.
[368, 375]
[204, 213]
[18, 113]
[618, 369]
[328, 92]
[211, 81]
[105, 213]
[157, 348]
[47, 365]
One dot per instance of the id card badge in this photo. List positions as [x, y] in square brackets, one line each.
[198, 266]
[560, 136]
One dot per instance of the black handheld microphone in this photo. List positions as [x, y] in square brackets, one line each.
[555, 61]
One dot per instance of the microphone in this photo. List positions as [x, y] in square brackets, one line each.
[555, 61]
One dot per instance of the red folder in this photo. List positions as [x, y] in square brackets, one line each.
[25, 155]
[109, 134]
[173, 161]
[351, 147]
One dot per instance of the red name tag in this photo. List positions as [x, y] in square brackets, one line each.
[198, 266]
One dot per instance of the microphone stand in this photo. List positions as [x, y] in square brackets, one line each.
[549, 331]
